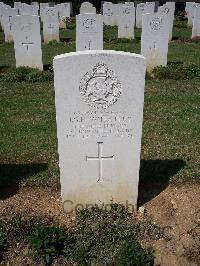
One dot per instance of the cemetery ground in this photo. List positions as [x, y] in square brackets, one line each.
[33, 227]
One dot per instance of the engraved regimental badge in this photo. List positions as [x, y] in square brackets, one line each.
[100, 87]
[156, 23]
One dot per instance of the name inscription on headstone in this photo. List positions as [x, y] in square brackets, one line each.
[99, 124]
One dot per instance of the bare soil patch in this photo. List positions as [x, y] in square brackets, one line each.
[176, 207]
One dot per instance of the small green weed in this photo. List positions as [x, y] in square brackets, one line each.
[50, 242]
[131, 253]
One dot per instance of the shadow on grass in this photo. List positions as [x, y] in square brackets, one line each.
[155, 176]
[11, 176]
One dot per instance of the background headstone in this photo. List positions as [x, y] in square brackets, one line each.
[87, 8]
[7, 21]
[154, 40]
[109, 14]
[126, 22]
[42, 9]
[27, 41]
[89, 32]
[50, 24]
[99, 110]
[196, 23]
[141, 9]
[191, 12]
[64, 13]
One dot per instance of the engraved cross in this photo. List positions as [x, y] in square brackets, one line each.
[100, 158]
[10, 22]
[27, 44]
[89, 45]
[51, 27]
[127, 27]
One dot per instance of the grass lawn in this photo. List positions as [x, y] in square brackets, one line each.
[171, 129]
[171, 113]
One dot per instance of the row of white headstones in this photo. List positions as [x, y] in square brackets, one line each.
[22, 24]
[25, 28]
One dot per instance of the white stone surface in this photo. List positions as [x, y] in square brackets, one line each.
[42, 9]
[50, 24]
[64, 13]
[196, 23]
[17, 5]
[27, 41]
[191, 12]
[2, 7]
[99, 113]
[167, 11]
[126, 22]
[141, 9]
[109, 18]
[35, 4]
[154, 40]
[187, 6]
[7, 21]
[89, 32]
[87, 8]
[171, 6]
[25, 9]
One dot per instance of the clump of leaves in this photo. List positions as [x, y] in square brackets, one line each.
[50, 242]
[131, 253]
[3, 243]
[26, 74]
[54, 43]
[177, 71]
[101, 232]
[181, 20]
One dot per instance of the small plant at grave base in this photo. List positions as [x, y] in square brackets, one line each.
[131, 253]
[50, 242]
[100, 233]
[54, 43]
[177, 71]
[26, 74]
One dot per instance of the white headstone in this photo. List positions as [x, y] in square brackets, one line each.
[2, 7]
[167, 11]
[50, 24]
[196, 23]
[171, 6]
[42, 9]
[187, 6]
[7, 21]
[109, 14]
[35, 4]
[89, 32]
[126, 22]
[18, 5]
[141, 9]
[64, 13]
[27, 41]
[191, 12]
[87, 8]
[99, 110]
[154, 40]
